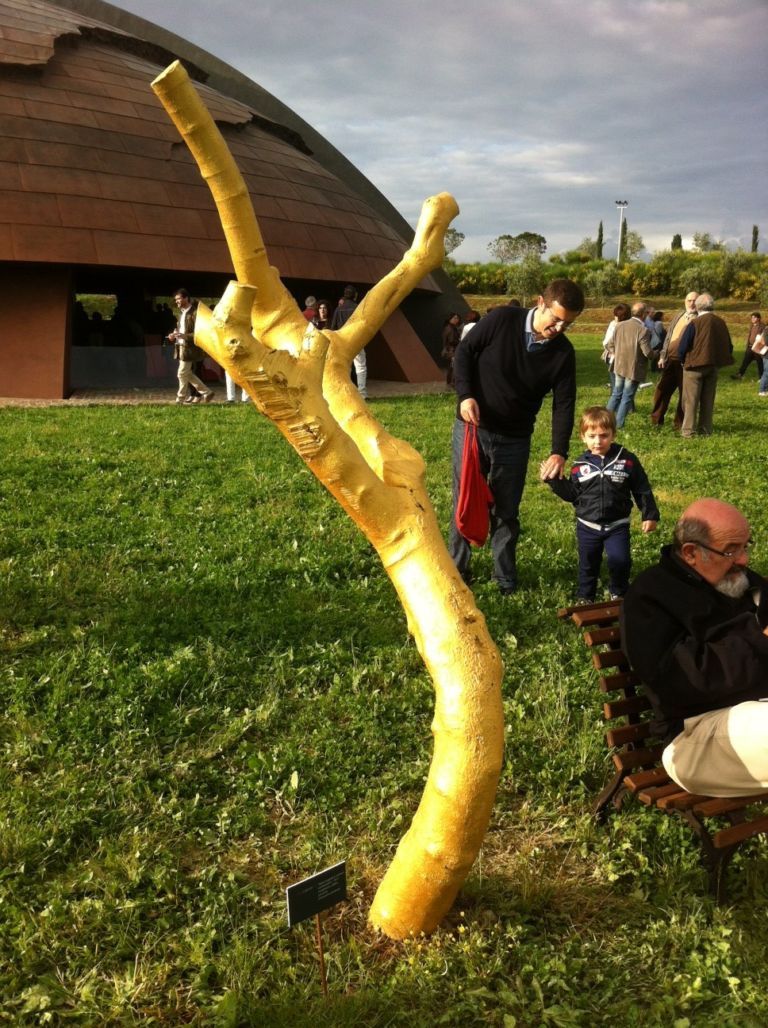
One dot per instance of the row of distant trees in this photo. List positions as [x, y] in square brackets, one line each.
[518, 268]
[509, 249]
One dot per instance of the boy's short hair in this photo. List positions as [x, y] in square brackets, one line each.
[600, 417]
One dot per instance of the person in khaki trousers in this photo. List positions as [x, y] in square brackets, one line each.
[185, 351]
[671, 379]
[704, 348]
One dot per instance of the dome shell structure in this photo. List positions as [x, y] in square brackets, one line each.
[99, 195]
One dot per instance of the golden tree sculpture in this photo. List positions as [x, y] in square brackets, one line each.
[298, 377]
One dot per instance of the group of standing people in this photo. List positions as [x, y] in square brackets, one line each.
[696, 345]
[505, 364]
[318, 312]
[627, 347]
[192, 389]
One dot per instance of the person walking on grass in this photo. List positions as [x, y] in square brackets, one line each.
[631, 348]
[602, 484]
[621, 312]
[756, 328]
[185, 351]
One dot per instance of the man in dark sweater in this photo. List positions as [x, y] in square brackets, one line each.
[503, 369]
[694, 629]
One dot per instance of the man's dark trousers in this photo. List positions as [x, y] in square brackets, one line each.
[671, 379]
[749, 356]
[504, 460]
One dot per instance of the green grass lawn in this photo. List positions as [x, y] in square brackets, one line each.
[209, 693]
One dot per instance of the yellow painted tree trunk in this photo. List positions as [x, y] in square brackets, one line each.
[299, 378]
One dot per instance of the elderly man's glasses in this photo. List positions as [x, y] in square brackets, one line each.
[739, 550]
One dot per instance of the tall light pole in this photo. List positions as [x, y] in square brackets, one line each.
[621, 204]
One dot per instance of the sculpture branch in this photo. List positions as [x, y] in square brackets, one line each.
[299, 378]
[386, 296]
[238, 220]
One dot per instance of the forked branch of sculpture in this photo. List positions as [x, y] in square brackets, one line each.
[299, 378]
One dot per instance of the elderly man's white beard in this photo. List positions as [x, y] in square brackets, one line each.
[733, 585]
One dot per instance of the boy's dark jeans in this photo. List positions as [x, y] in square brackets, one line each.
[591, 544]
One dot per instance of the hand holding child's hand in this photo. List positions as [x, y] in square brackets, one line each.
[649, 526]
[552, 467]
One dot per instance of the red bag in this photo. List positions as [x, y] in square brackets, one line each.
[475, 496]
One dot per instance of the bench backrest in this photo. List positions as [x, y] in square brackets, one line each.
[626, 709]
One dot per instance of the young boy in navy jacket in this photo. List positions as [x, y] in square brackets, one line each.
[602, 484]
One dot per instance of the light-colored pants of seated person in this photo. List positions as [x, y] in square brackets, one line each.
[723, 752]
[361, 373]
[187, 377]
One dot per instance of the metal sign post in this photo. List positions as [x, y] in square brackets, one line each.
[323, 976]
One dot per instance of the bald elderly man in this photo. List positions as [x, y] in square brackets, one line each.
[694, 629]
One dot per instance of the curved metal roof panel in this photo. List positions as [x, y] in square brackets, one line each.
[93, 172]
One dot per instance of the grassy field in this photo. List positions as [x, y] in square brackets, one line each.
[209, 693]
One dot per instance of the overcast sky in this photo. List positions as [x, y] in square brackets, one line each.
[537, 116]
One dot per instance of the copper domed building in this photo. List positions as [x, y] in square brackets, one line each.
[98, 195]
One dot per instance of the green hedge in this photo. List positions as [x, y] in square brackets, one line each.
[740, 275]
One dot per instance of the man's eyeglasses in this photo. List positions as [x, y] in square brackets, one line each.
[558, 323]
[740, 550]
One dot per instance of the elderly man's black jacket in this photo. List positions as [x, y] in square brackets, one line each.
[694, 648]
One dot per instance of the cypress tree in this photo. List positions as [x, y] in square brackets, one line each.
[599, 243]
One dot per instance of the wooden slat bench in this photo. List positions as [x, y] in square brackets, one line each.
[637, 755]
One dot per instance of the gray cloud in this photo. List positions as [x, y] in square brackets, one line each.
[536, 116]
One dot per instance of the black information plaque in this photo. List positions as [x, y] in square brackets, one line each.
[316, 893]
